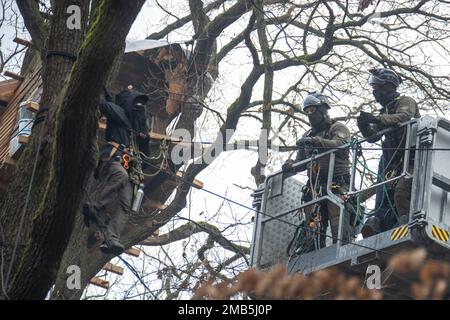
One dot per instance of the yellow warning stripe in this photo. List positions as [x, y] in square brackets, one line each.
[399, 232]
[439, 233]
[394, 233]
[433, 231]
[441, 236]
[405, 232]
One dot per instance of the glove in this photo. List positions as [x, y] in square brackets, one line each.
[366, 118]
[366, 130]
[287, 166]
[142, 136]
[306, 141]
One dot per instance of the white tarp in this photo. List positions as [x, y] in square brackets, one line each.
[137, 45]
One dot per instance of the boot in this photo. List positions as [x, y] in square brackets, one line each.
[112, 246]
[371, 227]
[90, 215]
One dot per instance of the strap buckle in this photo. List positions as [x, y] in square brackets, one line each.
[125, 160]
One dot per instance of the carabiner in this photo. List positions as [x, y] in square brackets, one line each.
[126, 159]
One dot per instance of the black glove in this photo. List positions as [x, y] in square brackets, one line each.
[366, 118]
[306, 141]
[369, 132]
[287, 166]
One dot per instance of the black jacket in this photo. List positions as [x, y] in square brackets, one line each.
[123, 121]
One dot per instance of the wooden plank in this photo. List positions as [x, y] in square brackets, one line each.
[8, 121]
[160, 137]
[11, 112]
[197, 183]
[7, 89]
[23, 42]
[113, 268]
[9, 117]
[31, 106]
[99, 282]
[135, 252]
[23, 139]
[13, 75]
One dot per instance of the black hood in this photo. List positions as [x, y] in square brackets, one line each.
[128, 98]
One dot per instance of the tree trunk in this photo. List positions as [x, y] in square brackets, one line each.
[62, 145]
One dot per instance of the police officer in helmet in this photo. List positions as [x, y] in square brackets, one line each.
[325, 134]
[392, 199]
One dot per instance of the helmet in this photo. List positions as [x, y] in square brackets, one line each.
[315, 99]
[383, 76]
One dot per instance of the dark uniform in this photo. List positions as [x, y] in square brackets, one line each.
[113, 190]
[392, 200]
[325, 134]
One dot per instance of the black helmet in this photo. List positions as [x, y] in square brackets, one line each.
[383, 76]
[315, 99]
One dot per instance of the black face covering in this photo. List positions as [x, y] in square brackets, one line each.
[318, 118]
[384, 95]
[138, 119]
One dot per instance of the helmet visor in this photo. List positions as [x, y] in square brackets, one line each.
[375, 80]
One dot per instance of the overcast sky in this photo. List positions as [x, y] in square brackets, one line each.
[231, 168]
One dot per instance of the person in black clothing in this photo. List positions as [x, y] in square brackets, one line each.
[113, 190]
[392, 200]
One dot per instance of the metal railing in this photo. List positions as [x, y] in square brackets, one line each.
[330, 196]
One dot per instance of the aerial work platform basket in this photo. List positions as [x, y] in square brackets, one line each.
[279, 200]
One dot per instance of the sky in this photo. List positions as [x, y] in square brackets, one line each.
[229, 175]
[233, 168]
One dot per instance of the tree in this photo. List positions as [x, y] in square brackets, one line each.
[70, 94]
[9, 19]
[329, 44]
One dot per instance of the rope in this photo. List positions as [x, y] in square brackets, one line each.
[64, 54]
[24, 210]
[275, 218]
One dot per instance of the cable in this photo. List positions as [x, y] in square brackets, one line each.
[24, 210]
[276, 218]
[136, 274]
[17, 133]
[248, 142]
